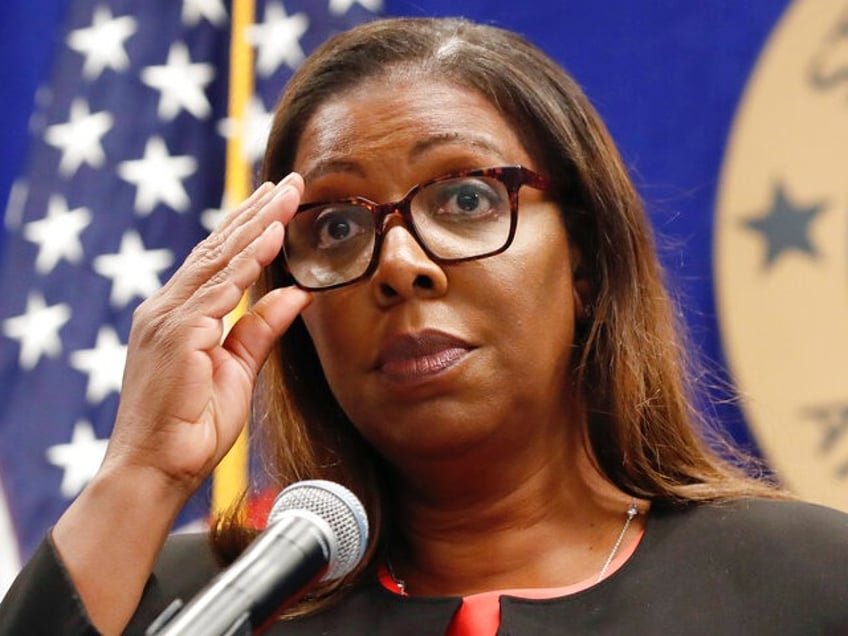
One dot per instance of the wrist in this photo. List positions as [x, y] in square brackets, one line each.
[138, 489]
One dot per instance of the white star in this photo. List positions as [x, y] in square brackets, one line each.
[340, 7]
[37, 329]
[158, 177]
[254, 128]
[133, 270]
[102, 43]
[212, 10]
[57, 234]
[80, 459]
[104, 365]
[79, 138]
[181, 84]
[278, 39]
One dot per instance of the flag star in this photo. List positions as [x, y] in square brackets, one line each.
[104, 365]
[80, 458]
[212, 10]
[57, 234]
[277, 39]
[134, 271]
[158, 177]
[37, 329]
[79, 138]
[254, 128]
[340, 7]
[181, 84]
[102, 43]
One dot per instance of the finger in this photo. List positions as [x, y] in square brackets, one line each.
[258, 198]
[284, 213]
[259, 208]
[246, 212]
[253, 336]
[196, 323]
[216, 252]
[221, 293]
[211, 260]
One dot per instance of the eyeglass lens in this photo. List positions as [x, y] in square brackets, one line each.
[457, 218]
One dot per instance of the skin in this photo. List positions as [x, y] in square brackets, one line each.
[447, 414]
[500, 399]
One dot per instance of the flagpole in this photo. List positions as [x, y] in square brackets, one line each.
[230, 477]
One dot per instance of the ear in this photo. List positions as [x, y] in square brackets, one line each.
[582, 286]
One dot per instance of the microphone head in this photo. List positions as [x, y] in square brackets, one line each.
[342, 512]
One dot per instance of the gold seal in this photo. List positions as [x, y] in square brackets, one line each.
[781, 251]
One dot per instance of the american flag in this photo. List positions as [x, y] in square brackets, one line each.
[125, 173]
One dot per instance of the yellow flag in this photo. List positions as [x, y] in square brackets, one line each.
[230, 478]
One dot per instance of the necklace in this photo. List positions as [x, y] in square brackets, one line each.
[632, 511]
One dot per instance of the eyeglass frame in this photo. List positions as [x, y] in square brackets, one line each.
[512, 177]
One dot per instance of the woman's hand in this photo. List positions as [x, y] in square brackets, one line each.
[186, 395]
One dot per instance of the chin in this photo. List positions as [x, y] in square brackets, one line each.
[432, 439]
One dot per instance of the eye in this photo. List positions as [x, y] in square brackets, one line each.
[335, 228]
[465, 199]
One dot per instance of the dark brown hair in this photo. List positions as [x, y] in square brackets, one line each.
[631, 370]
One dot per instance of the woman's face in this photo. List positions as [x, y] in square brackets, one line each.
[432, 360]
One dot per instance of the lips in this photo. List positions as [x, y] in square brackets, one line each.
[413, 357]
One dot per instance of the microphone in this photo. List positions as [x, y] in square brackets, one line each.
[317, 531]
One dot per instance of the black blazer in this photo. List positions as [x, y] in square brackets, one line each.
[745, 567]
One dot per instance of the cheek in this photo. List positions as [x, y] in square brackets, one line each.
[539, 302]
[331, 337]
[544, 309]
[342, 331]
[543, 258]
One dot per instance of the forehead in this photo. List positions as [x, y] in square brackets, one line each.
[405, 119]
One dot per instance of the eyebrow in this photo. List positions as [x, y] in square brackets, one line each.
[453, 138]
[331, 165]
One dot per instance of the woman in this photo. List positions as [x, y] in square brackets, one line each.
[490, 363]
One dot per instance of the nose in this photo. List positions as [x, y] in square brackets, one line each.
[404, 271]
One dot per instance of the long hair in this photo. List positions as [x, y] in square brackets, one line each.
[642, 428]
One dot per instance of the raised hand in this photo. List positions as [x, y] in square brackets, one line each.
[186, 394]
[185, 397]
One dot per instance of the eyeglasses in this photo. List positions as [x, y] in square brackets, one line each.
[457, 217]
